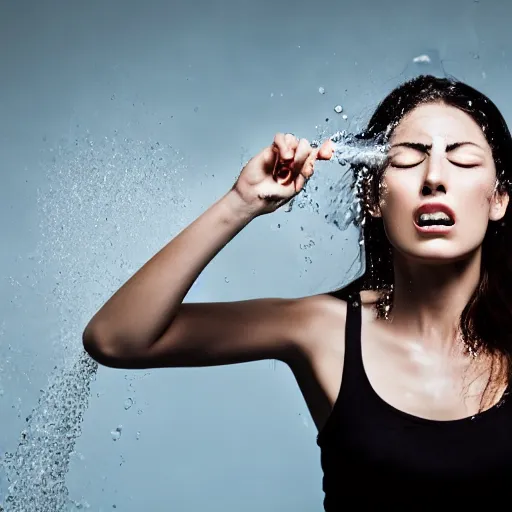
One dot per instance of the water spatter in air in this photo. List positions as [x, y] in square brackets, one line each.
[340, 193]
[116, 433]
[94, 190]
[36, 470]
[350, 150]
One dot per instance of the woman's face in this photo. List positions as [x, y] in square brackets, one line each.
[438, 191]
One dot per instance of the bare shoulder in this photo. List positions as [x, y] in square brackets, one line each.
[317, 308]
[320, 319]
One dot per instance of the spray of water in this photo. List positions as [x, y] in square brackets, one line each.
[92, 185]
[361, 152]
[36, 470]
[338, 195]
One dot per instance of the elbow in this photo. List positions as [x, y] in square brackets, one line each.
[101, 349]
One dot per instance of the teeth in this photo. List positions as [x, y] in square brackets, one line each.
[434, 216]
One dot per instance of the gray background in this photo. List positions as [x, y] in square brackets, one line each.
[121, 122]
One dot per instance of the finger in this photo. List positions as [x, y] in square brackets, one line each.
[299, 183]
[326, 150]
[285, 145]
[291, 140]
[308, 168]
[302, 153]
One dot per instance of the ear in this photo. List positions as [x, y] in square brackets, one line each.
[498, 207]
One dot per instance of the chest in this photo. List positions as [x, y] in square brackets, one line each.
[427, 383]
[401, 378]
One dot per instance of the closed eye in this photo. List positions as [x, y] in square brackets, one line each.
[465, 166]
[398, 166]
[410, 166]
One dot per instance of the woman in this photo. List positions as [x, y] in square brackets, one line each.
[406, 371]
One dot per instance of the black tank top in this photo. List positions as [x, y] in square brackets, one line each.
[374, 454]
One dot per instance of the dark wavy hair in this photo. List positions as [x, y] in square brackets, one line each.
[486, 321]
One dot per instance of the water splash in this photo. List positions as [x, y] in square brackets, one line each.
[350, 150]
[340, 199]
[93, 185]
[36, 470]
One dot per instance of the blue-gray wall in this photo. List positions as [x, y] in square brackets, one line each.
[121, 121]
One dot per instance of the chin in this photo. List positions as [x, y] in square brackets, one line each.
[442, 253]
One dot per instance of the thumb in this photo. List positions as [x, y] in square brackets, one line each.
[326, 150]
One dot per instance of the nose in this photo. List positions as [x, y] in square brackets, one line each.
[434, 181]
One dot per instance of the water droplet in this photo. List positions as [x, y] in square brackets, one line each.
[338, 109]
[344, 116]
[321, 90]
[128, 403]
[116, 434]
[138, 435]
[226, 280]
[422, 58]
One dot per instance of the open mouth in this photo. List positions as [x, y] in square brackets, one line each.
[434, 219]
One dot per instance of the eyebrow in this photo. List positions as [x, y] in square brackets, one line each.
[425, 148]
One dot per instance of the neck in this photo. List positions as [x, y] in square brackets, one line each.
[429, 299]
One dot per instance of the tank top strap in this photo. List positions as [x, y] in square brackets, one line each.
[353, 369]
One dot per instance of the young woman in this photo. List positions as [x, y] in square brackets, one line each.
[406, 371]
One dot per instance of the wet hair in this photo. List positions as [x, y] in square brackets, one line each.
[486, 321]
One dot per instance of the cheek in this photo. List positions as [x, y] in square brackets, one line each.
[398, 199]
[476, 195]
[396, 194]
